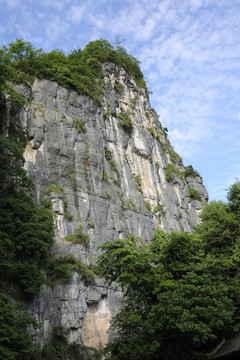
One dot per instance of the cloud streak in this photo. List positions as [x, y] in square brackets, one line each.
[75, 14]
[189, 50]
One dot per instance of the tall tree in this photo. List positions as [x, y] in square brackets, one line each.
[170, 306]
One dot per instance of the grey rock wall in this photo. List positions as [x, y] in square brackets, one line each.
[128, 194]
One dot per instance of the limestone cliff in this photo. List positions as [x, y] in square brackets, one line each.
[118, 174]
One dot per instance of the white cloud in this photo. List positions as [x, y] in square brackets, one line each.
[195, 4]
[238, 116]
[98, 21]
[56, 4]
[188, 140]
[12, 4]
[75, 13]
[2, 29]
[56, 28]
[138, 20]
[40, 15]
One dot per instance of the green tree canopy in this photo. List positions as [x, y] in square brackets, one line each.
[219, 228]
[27, 230]
[81, 70]
[234, 198]
[15, 337]
[171, 307]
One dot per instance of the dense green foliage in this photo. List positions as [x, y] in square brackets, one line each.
[181, 292]
[14, 340]
[26, 230]
[171, 172]
[234, 198]
[189, 171]
[27, 233]
[61, 269]
[80, 125]
[81, 70]
[5, 88]
[12, 174]
[219, 228]
[79, 237]
[194, 194]
[125, 122]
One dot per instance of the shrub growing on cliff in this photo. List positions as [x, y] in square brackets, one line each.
[113, 166]
[106, 114]
[189, 171]
[106, 177]
[151, 130]
[171, 172]
[127, 125]
[194, 194]
[54, 188]
[79, 237]
[119, 88]
[135, 100]
[62, 269]
[125, 122]
[137, 179]
[81, 70]
[80, 126]
[158, 208]
[148, 206]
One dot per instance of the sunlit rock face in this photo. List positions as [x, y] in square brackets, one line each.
[114, 181]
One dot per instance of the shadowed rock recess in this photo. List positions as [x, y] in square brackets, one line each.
[110, 170]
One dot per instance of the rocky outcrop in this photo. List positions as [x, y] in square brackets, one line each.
[114, 172]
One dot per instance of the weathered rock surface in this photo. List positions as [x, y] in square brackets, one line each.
[110, 194]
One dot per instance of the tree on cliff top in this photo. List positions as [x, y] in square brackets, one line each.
[81, 70]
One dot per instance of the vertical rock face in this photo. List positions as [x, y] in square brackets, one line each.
[118, 174]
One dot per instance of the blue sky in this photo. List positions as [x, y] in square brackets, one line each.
[190, 56]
